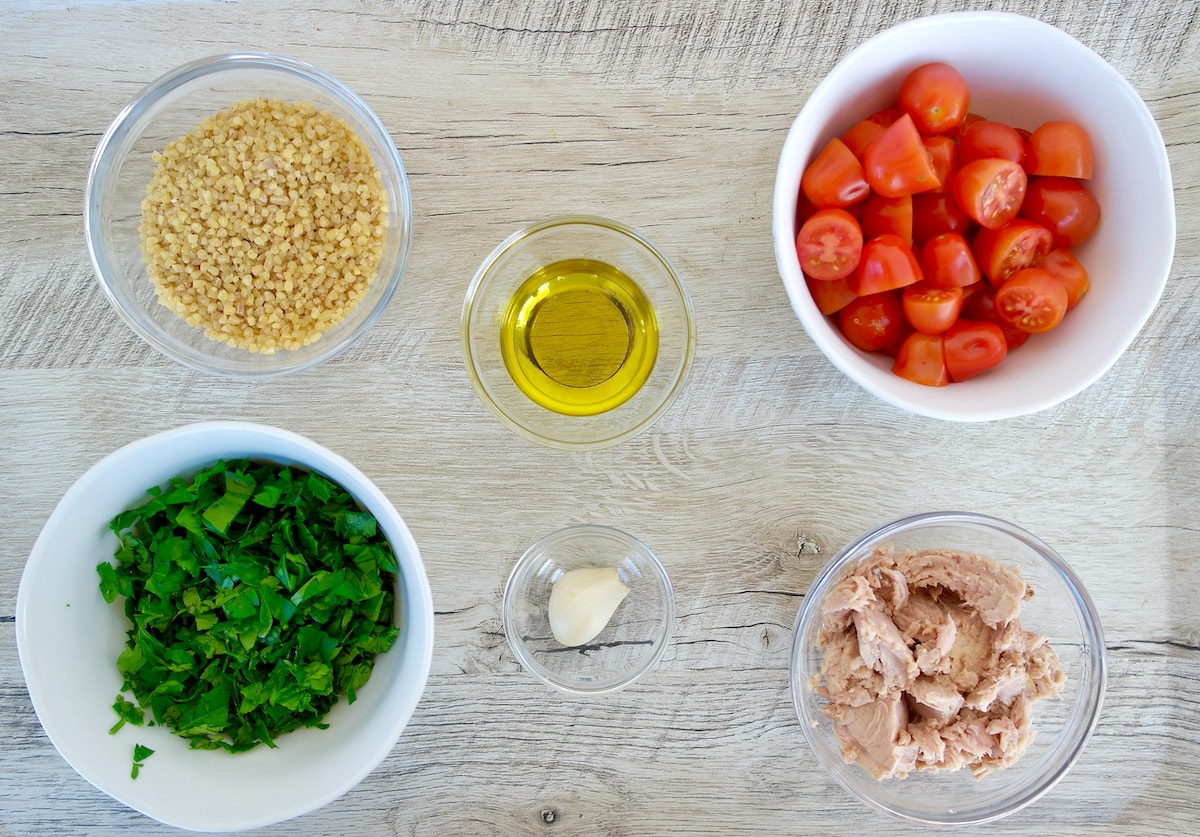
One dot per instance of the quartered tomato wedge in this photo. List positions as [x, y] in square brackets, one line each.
[835, 178]
[860, 136]
[881, 216]
[830, 296]
[896, 162]
[829, 244]
[990, 191]
[1060, 148]
[1032, 300]
[947, 261]
[973, 346]
[887, 263]
[921, 359]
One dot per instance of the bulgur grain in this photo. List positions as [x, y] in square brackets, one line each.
[264, 226]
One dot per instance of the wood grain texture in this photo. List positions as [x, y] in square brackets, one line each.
[670, 117]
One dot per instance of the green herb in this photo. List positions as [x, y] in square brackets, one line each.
[140, 754]
[257, 594]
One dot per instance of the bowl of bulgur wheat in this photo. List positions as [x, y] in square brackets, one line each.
[248, 215]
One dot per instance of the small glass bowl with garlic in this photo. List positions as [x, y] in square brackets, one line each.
[588, 609]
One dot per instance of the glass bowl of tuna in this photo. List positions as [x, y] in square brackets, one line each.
[947, 668]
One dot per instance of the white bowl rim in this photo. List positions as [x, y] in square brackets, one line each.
[241, 435]
[851, 362]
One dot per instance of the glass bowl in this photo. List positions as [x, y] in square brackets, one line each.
[636, 635]
[124, 163]
[1060, 610]
[594, 393]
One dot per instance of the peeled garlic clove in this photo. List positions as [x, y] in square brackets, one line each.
[582, 601]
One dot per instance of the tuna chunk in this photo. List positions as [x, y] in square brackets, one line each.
[926, 665]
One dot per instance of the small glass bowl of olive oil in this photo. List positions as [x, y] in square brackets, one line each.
[577, 332]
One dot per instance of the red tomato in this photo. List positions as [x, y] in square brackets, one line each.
[1064, 206]
[1064, 267]
[874, 323]
[947, 261]
[858, 137]
[1060, 148]
[921, 359]
[887, 263]
[882, 215]
[935, 213]
[979, 303]
[830, 297]
[943, 154]
[1018, 244]
[983, 139]
[936, 96]
[896, 162]
[835, 178]
[968, 120]
[930, 309]
[886, 116]
[990, 191]
[1032, 300]
[973, 346]
[829, 244]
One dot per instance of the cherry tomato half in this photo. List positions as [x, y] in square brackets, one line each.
[990, 191]
[921, 359]
[1060, 148]
[985, 138]
[1067, 269]
[930, 309]
[887, 263]
[874, 323]
[1032, 300]
[947, 262]
[834, 180]
[829, 244]
[1064, 206]
[1018, 244]
[896, 162]
[973, 346]
[979, 303]
[936, 96]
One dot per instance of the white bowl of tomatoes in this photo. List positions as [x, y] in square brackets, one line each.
[973, 216]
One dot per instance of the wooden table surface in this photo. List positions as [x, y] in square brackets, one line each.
[668, 116]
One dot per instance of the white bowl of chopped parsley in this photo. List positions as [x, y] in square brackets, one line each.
[224, 611]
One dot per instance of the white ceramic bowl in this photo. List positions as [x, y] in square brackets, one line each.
[122, 168]
[69, 638]
[1023, 72]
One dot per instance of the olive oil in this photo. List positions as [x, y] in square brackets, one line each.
[579, 337]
